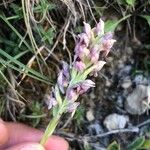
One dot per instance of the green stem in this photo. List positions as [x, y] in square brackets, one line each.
[50, 129]
[53, 124]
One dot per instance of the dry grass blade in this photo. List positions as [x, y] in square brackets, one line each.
[6, 2]
[70, 5]
[30, 62]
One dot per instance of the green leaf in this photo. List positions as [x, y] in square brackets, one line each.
[146, 144]
[110, 25]
[58, 96]
[136, 144]
[15, 31]
[130, 2]
[121, 2]
[55, 110]
[147, 17]
[114, 146]
[22, 68]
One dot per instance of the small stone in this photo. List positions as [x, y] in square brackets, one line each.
[137, 102]
[90, 115]
[126, 84]
[129, 51]
[109, 59]
[140, 79]
[115, 121]
[120, 101]
[125, 71]
[92, 95]
[108, 83]
[95, 128]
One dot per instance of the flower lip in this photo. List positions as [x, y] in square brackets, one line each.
[79, 66]
[51, 100]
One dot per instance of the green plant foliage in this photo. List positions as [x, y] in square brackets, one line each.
[47, 36]
[136, 144]
[147, 17]
[114, 146]
[79, 115]
[34, 114]
[111, 25]
[13, 43]
[146, 145]
[14, 30]
[17, 10]
[87, 146]
[131, 2]
[18, 66]
[44, 6]
[121, 2]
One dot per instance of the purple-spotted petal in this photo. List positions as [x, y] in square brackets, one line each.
[73, 106]
[79, 65]
[84, 39]
[82, 52]
[51, 100]
[66, 70]
[71, 94]
[62, 81]
[84, 86]
[107, 43]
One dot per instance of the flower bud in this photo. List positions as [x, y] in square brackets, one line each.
[79, 66]
[84, 39]
[84, 86]
[66, 69]
[62, 81]
[87, 29]
[100, 28]
[51, 100]
[107, 43]
[94, 53]
[83, 52]
[99, 65]
[71, 94]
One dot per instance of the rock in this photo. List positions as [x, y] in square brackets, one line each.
[137, 102]
[125, 71]
[126, 83]
[120, 101]
[95, 128]
[115, 121]
[140, 79]
[92, 95]
[89, 115]
[108, 83]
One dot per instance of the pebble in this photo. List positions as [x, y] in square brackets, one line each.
[120, 101]
[90, 115]
[140, 79]
[95, 128]
[135, 102]
[108, 83]
[126, 84]
[115, 121]
[125, 71]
